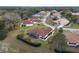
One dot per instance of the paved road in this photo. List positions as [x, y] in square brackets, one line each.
[53, 27]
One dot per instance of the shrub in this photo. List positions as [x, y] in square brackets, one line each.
[3, 34]
[20, 37]
[63, 51]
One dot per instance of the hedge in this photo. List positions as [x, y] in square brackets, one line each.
[20, 37]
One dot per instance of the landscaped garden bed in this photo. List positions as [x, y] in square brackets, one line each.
[20, 37]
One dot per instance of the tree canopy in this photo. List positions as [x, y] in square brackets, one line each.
[58, 41]
[2, 24]
[3, 32]
[69, 16]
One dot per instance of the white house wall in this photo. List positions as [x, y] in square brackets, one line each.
[29, 24]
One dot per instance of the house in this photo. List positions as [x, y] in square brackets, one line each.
[42, 33]
[42, 13]
[39, 15]
[72, 38]
[54, 11]
[27, 23]
[34, 19]
[76, 13]
[36, 15]
[30, 21]
[55, 15]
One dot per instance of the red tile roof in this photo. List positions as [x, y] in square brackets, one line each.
[34, 19]
[56, 14]
[28, 22]
[41, 31]
[72, 37]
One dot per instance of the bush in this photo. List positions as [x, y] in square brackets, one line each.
[20, 37]
[3, 34]
[63, 51]
[61, 30]
[58, 41]
[2, 24]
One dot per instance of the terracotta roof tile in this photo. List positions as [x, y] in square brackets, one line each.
[27, 22]
[41, 31]
[72, 37]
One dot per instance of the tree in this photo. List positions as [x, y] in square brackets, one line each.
[26, 12]
[11, 20]
[60, 30]
[2, 24]
[69, 16]
[61, 43]
[2, 12]
[58, 41]
[66, 12]
[3, 32]
[74, 19]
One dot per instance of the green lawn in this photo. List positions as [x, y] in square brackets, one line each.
[39, 25]
[51, 22]
[75, 25]
[66, 31]
[44, 43]
[72, 26]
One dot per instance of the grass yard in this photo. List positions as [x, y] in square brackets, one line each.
[39, 25]
[75, 25]
[44, 43]
[72, 25]
[66, 31]
[50, 21]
